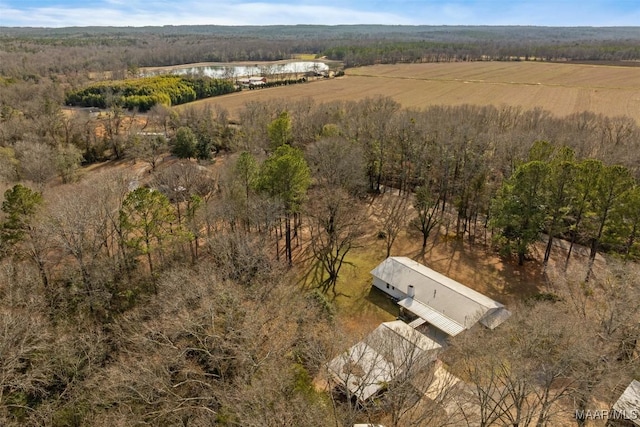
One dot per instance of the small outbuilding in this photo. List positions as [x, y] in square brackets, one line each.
[252, 81]
[392, 349]
[436, 299]
[626, 410]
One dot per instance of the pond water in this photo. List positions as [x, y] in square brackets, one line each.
[236, 71]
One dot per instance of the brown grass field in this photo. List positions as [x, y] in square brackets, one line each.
[562, 89]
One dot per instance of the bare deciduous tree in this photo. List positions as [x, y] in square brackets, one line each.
[525, 372]
[79, 228]
[393, 218]
[37, 161]
[335, 227]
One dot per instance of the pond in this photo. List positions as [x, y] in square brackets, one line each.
[232, 71]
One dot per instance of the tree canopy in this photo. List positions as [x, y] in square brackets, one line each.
[144, 93]
[20, 204]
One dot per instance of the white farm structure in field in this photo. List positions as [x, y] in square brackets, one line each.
[253, 81]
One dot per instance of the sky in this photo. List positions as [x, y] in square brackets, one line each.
[137, 13]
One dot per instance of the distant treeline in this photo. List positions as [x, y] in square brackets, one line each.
[367, 53]
[32, 53]
[144, 93]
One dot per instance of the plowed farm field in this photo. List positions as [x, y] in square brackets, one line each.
[562, 89]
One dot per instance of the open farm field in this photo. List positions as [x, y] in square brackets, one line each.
[562, 89]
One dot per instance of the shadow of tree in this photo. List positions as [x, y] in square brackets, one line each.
[383, 301]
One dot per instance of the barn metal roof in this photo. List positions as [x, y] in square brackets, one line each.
[407, 334]
[385, 353]
[362, 370]
[440, 321]
[629, 403]
[455, 303]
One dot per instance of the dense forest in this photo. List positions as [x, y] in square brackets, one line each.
[172, 268]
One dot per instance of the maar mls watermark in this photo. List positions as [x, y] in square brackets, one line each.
[606, 414]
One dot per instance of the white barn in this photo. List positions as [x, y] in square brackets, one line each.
[252, 81]
[393, 348]
[435, 298]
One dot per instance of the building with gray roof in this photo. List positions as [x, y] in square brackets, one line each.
[438, 300]
[626, 410]
[391, 350]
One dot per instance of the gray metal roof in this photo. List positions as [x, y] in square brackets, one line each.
[440, 321]
[362, 370]
[400, 335]
[495, 317]
[629, 403]
[452, 300]
[385, 353]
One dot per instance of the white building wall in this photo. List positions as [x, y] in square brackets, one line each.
[388, 288]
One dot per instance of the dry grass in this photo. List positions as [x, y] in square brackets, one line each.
[562, 89]
[305, 56]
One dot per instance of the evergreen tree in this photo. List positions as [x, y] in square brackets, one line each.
[185, 144]
[285, 176]
[612, 184]
[279, 131]
[20, 204]
[560, 179]
[585, 182]
[519, 210]
[146, 217]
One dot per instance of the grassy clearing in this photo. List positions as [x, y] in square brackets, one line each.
[360, 307]
[354, 284]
